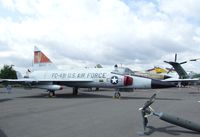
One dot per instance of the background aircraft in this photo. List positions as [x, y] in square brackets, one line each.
[184, 77]
[154, 73]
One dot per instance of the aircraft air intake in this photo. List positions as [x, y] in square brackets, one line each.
[128, 81]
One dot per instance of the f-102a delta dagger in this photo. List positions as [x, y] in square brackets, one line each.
[52, 79]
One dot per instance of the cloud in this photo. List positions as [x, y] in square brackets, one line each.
[137, 33]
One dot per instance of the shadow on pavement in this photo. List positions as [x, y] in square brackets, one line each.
[169, 130]
[68, 95]
[2, 134]
[4, 100]
[91, 95]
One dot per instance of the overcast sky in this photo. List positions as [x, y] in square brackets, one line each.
[78, 33]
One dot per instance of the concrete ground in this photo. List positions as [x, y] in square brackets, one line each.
[30, 113]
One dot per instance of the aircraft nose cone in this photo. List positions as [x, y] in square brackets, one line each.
[166, 76]
[161, 84]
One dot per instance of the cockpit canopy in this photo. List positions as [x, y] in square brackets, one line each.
[123, 71]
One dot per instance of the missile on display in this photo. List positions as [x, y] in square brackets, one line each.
[147, 111]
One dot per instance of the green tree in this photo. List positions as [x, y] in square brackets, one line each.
[7, 72]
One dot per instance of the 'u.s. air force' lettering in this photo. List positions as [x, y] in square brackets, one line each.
[114, 80]
[77, 75]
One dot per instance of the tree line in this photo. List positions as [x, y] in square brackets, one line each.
[7, 72]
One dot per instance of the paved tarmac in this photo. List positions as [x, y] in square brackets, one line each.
[30, 113]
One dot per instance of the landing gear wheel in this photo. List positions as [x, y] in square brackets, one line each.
[117, 95]
[51, 93]
[75, 91]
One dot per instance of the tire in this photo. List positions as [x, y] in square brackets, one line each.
[117, 95]
[51, 93]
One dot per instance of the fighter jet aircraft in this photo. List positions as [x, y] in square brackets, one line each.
[52, 79]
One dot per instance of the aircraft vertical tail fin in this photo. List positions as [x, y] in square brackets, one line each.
[179, 69]
[41, 61]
